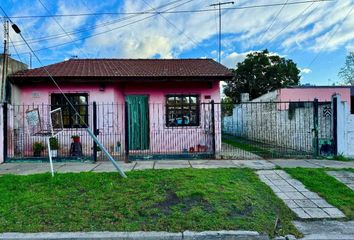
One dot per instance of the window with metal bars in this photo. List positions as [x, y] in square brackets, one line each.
[71, 119]
[182, 110]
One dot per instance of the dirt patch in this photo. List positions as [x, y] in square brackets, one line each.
[185, 203]
[241, 212]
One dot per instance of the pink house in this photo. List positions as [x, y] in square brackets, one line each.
[145, 107]
[322, 93]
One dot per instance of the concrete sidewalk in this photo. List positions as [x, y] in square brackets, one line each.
[33, 168]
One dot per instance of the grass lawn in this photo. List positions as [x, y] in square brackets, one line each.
[335, 192]
[248, 147]
[150, 200]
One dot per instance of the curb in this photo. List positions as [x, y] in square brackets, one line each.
[222, 235]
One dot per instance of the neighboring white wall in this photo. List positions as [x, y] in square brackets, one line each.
[1, 136]
[345, 129]
[265, 121]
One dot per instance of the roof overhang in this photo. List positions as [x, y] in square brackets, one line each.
[74, 79]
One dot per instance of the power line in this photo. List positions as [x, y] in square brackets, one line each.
[289, 23]
[14, 47]
[97, 26]
[104, 32]
[274, 20]
[88, 130]
[328, 40]
[219, 4]
[178, 29]
[40, 1]
[168, 11]
[93, 27]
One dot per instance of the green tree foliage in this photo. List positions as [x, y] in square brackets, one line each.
[346, 73]
[260, 73]
[227, 106]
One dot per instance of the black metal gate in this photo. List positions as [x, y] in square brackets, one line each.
[277, 129]
[247, 130]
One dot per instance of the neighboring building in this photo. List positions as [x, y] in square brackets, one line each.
[7, 92]
[11, 66]
[285, 118]
[322, 93]
[164, 104]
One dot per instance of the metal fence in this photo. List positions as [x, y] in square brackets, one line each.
[142, 131]
[277, 129]
[127, 131]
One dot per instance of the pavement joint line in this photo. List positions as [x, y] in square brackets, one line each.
[153, 165]
[134, 166]
[99, 164]
[314, 163]
[61, 166]
[190, 165]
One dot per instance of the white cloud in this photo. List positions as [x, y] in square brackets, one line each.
[243, 29]
[305, 70]
[233, 58]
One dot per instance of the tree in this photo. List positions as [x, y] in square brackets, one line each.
[260, 73]
[346, 73]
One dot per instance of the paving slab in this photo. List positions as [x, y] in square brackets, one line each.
[304, 203]
[290, 163]
[108, 167]
[171, 164]
[212, 164]
[254, 164]
[345, 177]
[326, 229]
[332, 163]
[76, 167]
[142, 165]
[29, 168]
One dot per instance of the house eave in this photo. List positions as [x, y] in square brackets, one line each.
[94, 79]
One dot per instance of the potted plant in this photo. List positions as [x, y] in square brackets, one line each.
[38, 147]
[76, 138]
[54, 146]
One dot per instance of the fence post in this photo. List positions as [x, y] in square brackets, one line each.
[315, 128]
[95, 130]
[335, 127]
[126, 132]
[5, 108]
[213, 123]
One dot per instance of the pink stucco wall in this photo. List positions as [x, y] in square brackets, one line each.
[308, 94]
[162, 139]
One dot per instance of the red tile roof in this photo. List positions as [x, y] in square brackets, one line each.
[128, 68]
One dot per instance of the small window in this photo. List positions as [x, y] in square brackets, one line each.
[70, 118]
[182, 110]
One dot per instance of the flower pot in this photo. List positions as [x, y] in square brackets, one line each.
[76, 139]
[54, 153]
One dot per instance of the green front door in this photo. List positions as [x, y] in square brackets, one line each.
[138, 122]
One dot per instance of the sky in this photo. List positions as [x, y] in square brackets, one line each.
[317, 36]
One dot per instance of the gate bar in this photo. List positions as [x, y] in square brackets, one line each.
[5, 122]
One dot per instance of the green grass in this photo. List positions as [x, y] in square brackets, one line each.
[333, 191]
[248, 147]
[151, 200]
[340, 158]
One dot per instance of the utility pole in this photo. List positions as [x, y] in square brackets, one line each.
[219, 6]
[5, 60]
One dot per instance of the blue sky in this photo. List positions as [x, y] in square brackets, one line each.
[323, 31]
